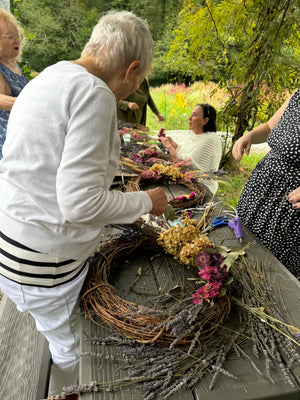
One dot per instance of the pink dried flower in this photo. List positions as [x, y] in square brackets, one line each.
[213, 274]
[148, 152]
[136, 159]
[161, 133]
[185, 197]
[210, 290]
[135, 135]
[188, 176]
[151, 174]
[182, 163]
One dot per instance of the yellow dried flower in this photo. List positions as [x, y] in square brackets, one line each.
[190, 251]
[183, 242]
[169, 171]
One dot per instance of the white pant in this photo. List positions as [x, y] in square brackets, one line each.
[56, 314]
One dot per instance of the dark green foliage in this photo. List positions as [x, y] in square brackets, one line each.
[55, 30]
[59, 30]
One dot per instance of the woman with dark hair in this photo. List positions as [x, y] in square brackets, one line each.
[204, 147]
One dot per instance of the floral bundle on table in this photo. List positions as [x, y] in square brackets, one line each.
[159, 173]
[230, 304]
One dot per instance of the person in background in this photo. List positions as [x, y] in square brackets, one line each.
[269, 205]
[12, 78]
[204, 147]
[59, 160]
[134, 108]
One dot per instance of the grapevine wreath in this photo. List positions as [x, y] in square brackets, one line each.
[161, 174]
[135, 321]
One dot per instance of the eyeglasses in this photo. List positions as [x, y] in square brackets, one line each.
[12, 37]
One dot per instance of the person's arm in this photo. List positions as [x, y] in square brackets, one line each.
[257, 135]
[169, 144]
[122, 105]
[6, 101]
[151, 102]
[89, 160]
[154, 109]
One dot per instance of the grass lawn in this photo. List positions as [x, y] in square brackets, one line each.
[231, 188]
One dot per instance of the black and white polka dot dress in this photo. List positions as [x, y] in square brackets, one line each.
[263, 207]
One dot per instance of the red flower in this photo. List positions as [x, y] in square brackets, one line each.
[161, 132]
[210, 290]
[213, 274]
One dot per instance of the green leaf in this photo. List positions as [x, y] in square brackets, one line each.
[222, 291]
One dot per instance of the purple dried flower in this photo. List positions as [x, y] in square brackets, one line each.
[217, 259]
[136, 159]
[203, 259]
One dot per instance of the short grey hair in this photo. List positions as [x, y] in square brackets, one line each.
[121, 37]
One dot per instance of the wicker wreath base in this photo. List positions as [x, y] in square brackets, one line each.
[133, 321]
[135, 184]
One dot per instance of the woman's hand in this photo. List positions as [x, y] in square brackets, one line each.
[294, 198]
[159, 201]
[133, 106]
[169, 144]
[167, 141]
[160, 117]
[242, 145]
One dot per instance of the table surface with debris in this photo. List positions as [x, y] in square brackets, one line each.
[144, 278]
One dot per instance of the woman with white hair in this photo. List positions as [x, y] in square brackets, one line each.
[12, 78]
[60, 158]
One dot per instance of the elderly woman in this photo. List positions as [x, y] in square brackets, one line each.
[204, 147]
[12, 79]
[60, 158]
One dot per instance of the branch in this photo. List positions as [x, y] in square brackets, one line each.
[215, 25]
[286, 8]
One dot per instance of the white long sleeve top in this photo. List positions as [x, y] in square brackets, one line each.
[205, 152]
[60, 158]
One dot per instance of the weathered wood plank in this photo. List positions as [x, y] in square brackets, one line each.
[24, 356]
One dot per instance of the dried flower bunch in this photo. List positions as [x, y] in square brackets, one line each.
[159, 174]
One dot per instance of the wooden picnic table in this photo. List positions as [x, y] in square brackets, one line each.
[156, 277]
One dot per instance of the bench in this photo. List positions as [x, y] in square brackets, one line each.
[24, 355]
